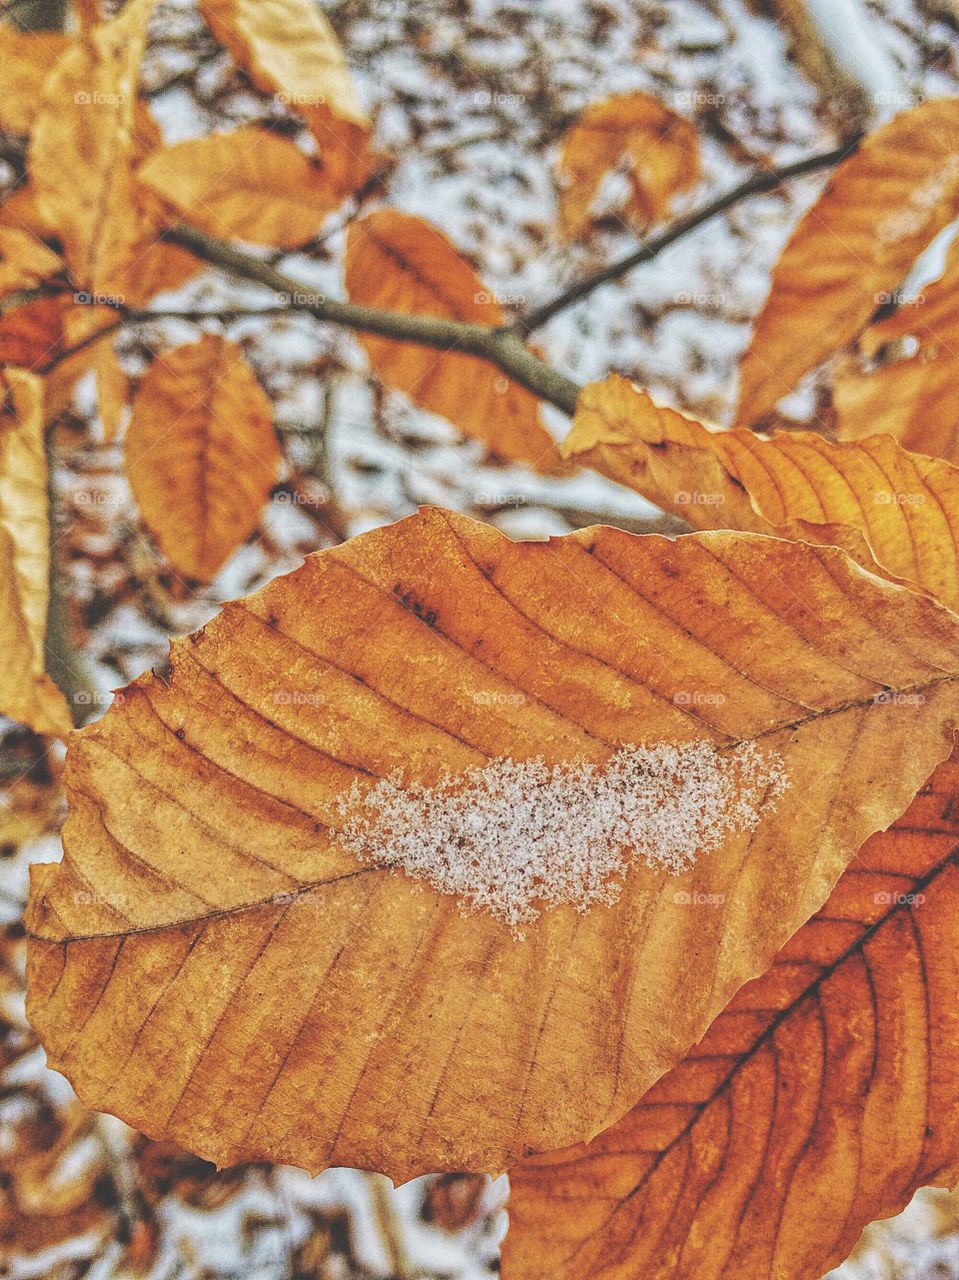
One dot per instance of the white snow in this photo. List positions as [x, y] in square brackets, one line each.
[517, 833]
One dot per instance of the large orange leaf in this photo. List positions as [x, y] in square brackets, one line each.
[26, 692]
[822, 1098]
[912, 395]
[401, 263]
[82, 151]
[288, 48]
[855, 245]
[660, 148]
[248, 183]
[890, 509]
[26, 57]
[201, 453]
[218, 959]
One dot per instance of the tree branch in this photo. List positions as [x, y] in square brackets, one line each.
[764, 180]
[503, 347]
[499, 347]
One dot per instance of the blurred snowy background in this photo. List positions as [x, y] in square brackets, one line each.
[469, 99]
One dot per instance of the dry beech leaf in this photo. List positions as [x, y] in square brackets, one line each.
[89, 110]
[25, 261]
[401, 263]
[912, 396]
[660, 149]
[27, 694]
[201, 453]
[26, 57]
[20, 210]
[881, 208]
[32, 335]
[821, 1099]
[213, 964]
[248, 184]
[288, 48]
[888, 508]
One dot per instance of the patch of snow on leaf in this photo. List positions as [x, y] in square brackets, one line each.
[511, 834]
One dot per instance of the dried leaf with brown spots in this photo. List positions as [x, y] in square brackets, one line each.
[215, 964]
[894, 511]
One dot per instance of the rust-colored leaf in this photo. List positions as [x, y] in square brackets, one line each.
[31, 335]
[658, 147]
[888, 508]
[289, 49]
[82, 150]
[249, 184]
[822, 1098]
[26, 692]
[400, 263]
[26, 57]
[911, 394]
[881, 208]
[201, 454]
[217, 961]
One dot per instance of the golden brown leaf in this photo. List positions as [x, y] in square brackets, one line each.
[289, 49]
[887, 508]
[249, 184]
[26, 57]
[659, 148]
[25, 261]
[20, 210]
[213, 964]
[82, 150]
[822, 1098]
[201, 454]
[881, 208]
[27, 694]
[912, 396]
[400, 263]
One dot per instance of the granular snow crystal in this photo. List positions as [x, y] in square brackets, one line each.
[515, 833]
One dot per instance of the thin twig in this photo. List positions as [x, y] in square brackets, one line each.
[764, 180]
[391, 1232]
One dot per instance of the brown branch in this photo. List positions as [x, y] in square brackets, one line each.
[762, 181]
[499, 347]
